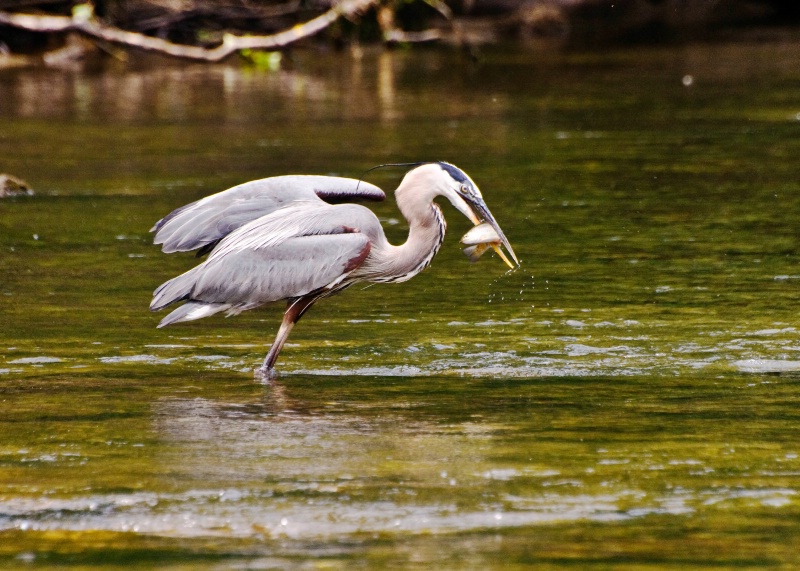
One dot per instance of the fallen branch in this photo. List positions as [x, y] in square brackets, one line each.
[401, 37]
[83, 21]
[393, 34]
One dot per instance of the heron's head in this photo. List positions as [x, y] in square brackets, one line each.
[454, 184]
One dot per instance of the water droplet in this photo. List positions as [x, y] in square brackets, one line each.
[26, 557]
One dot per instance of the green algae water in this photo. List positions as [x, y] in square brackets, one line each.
[627, 398]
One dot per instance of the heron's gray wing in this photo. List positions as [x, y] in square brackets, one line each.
[303, 248]
[294, 268]
[210, 219]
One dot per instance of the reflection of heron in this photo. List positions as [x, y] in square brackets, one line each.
[291, 238]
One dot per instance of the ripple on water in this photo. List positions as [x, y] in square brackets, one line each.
[234, 512]
[34, 361]
[581, 350]
[767, 366]
[372, 371]
[238, 513]
[580, 354]
[148, 359]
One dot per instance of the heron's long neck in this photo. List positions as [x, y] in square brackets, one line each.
[426, 228]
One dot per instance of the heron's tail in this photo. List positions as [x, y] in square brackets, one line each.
[180, 289]
[192, 310]
[176, 289]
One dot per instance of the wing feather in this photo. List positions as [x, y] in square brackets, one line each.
[210, 219]
[303, 248]
[296, 267]
[301, 218]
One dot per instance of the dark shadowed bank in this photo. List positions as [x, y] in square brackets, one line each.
[52, 32]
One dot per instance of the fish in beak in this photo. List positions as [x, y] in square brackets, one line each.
[480, 239]
[486, 234]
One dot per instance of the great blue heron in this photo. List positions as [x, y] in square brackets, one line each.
[295, 238]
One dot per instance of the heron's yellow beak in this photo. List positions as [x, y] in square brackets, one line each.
[500, 253]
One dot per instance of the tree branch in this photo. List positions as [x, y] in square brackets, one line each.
[230, 43]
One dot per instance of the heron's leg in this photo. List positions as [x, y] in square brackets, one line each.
[293, 314]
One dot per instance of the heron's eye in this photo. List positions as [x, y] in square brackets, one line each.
[465, 189]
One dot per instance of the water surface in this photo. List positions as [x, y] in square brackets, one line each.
[627, 398]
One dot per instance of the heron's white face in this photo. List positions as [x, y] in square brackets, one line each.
[457, 189]
[466, 197]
